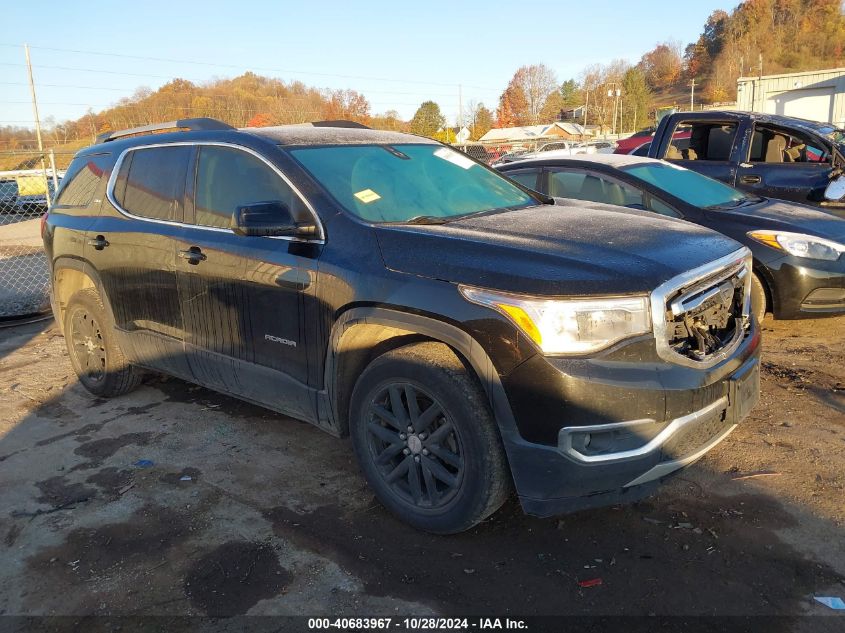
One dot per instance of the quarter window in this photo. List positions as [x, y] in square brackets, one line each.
[228, 178]
[81, 181]
[151, 182]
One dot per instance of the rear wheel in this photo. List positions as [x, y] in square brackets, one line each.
[758, 298]
[426, 441]
[97, 360]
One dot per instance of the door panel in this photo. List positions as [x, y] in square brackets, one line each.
[135, 256]
[242, 296]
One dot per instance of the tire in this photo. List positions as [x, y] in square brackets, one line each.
[97, 360]
[758, 298]
[449, 472]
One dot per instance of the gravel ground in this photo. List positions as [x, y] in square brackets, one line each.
[242, 511]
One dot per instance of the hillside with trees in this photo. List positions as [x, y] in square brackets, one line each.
[787, 35]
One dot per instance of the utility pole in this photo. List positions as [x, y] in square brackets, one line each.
[586, 105]
[460, 112]
[37, 124]
[692, 95]
[760, 80]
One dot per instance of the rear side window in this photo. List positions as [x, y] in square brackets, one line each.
[228, 178]
[594, 188]
[151, 182]
[81, 180]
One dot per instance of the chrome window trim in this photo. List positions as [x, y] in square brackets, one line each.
[113, 179]
[658, 308]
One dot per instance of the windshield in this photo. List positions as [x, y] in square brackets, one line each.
[687, 185]
[834, 134]
[400, 183]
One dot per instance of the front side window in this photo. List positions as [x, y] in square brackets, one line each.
[687, 185]
[151, 182]
[81, 180]
[525, 177]
[702, 140]
[228, 178]
[400, 183]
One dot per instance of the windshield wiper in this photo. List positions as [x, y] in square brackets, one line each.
[425, 219]
[733, 204]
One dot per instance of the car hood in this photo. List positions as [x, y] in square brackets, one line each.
[569, 248]
[787, 216]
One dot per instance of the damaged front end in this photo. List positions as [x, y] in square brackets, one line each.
[701, 316]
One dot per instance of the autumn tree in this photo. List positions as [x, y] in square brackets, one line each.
[523, 100]
[662, 65]
[346, 105]
[390, 120]
[262, 119]
[480, 121]
[427, 119]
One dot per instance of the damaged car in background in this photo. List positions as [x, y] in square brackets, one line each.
[471, 337]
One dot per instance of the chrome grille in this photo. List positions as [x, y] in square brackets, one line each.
[701, 316]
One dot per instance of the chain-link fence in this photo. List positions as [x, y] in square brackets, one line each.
[25, 194]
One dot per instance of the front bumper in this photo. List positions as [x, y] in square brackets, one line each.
[630, 431]
[802, 290]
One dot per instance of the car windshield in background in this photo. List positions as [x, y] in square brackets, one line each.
[687, 185]
[402, 183]
[834, 134]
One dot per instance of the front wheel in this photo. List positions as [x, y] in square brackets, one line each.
[426, 441]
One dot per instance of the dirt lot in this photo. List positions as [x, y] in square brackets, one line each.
[239, 510]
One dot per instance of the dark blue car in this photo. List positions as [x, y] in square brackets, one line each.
[799, 250]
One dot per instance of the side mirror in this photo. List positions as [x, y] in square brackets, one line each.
[835, 189]
[269, 219]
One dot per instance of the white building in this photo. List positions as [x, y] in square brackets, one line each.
[817, 95]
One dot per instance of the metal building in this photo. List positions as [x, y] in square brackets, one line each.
[818, 95]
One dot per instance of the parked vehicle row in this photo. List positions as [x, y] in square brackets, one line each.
[471, 336]
[761, 154]
[799, 268]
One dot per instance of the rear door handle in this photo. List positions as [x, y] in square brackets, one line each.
[194, 255]
[749, 180]
[99, 242]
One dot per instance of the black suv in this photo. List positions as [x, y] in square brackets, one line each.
[469, 334]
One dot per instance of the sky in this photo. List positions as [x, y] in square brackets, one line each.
[397, 54]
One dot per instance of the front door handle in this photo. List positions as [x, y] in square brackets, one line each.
[749, 180]
[194, 255]
[99, 242]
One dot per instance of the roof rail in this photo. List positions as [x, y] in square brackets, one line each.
[186, 124]
[341, 123]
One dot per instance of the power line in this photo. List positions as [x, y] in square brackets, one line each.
[262, 69]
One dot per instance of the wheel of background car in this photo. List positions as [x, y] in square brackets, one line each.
[758, 298]
[426, 441]
[97, 360]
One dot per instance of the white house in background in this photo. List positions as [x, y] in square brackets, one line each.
[462, 135]
[818, 95]
[557, 130]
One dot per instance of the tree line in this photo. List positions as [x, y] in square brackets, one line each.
[782, 35]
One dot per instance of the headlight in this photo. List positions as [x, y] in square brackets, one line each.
[569, 326]
[799, 244]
